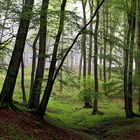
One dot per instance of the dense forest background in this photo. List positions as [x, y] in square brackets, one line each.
[72, 62]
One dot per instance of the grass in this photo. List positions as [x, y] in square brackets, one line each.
[73, 115]
[66, 109]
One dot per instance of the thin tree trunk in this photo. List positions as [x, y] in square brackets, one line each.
[33, 66]
[90, 39]
[83, 43]
[71, 67]
[105, 20]
[24, 101]
[95, 103]
[100, 69]
[110, 51]
[61, 71]
[80, 67]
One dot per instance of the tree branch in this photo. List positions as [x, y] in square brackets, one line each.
[79, 33]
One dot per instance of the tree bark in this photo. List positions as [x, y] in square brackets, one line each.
[11, 76]
[100, 69]
[42, 107]
[90, 38]
[138, 46]
[80, 67]
[41, 58]
[95, 103]
[24, 101]
[128, 67]
[33, 66]
[105, 20]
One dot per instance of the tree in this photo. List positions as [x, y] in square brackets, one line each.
[128, 67]
[138, 43]
[83, 44]
[42, 107]
[52, 73]
[91, 4]
[23, 83]
[10, 80]
[33, 65]
[105, 33]
[95, 106]
[35, 94]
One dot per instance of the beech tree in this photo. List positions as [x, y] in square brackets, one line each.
[13, 68]
[35, 94]
[128, 61]
[42, 107]
[52, 73]
[95, 106]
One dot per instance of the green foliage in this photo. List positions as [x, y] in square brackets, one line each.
[87, 90]
[114, 87]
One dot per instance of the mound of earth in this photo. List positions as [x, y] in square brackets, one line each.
[25, 126]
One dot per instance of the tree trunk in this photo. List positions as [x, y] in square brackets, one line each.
[80, 67]
[44, 102]
[138, 45]
[83, 43]
[128, 68]
[33, 66]
[95, 103]
[90, 39]
[11, 76]
[51, 78]
[110, 51]
[34, 102]
[61, 71]
[105, 45]
[24, 101]
[100, 69]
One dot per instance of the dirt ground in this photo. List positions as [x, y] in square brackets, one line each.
[28, 125]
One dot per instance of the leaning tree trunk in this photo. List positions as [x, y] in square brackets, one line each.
[11, 76]
[52, 74]
[42, 107]
[35, 96]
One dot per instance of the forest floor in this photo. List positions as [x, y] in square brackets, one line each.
[25, 126]
[116, 130]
